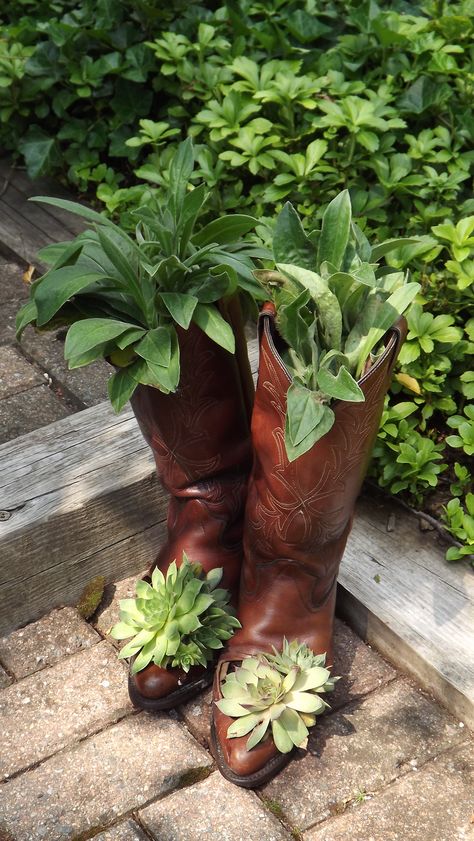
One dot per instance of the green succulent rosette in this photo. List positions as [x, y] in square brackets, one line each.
[179, 620]
[278, 692]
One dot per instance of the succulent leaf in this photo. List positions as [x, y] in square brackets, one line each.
[278, 692]
[177, 620]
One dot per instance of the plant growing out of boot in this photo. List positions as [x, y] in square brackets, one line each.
[334, 304]
[122, 294]
[177, 620]
[277, 692]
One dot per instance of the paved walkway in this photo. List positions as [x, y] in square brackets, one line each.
[78, 762]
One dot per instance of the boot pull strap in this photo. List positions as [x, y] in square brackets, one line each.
[398, 332]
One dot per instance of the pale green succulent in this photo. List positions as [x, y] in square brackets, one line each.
[278, 691]
[178, 621]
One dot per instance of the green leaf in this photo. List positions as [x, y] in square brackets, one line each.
[335, 230]
[224, 230]
[209, 319]
[89, 332]
[40, 150]
[384, 248]
[180, 172]
[76, 208]
[155, 347]
[180, 306]
[341, 387]
[304, 412]
[26, 315]
[294, 451]
[327, 305]
[281, 738]
[394, 306]
[120, 388]
[290, 243]
[57, 287]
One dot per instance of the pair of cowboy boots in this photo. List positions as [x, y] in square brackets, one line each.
[278, 529]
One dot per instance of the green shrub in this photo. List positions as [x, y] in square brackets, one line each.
[285, 101]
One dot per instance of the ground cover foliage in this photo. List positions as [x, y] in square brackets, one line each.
[285, 100]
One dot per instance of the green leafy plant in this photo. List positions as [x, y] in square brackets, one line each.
[460, 522]
[334, 305]
[463, 481]
[409, 462]
[177, 620]
[123, 295]
[465, 430]
[278, 692]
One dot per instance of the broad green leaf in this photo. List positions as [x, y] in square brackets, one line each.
[327, 305]
[304, 412]
[209, 319]
[379, 251]
[341, 387]
[57, 287]
[180, 306]
[224, 230]
[395, 306]
[40, 150]
[155, 347]
[325, 424]
[120, 388]
[26, 315]
[335, 230]
[181, 169]
[126, 270]
[290, 242]
[87, 333]
[294, 328]
[61, 253]
[294, 726]
[76, 208]
[164, 377]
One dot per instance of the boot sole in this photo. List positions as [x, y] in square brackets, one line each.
[174, 699]
[259, 778]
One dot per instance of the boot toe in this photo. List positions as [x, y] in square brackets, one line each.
[155, 688]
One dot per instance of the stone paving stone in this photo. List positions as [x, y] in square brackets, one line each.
[434, 804]
[128, 831]
[94, 783]
[16, 374]
[49, 710]
[197, 715]
[213, 808]
[88, 384]
[46, 641]
[361, 669]
[12, 285]
[8, 311]
[29, 410]
[5, 679]
[362, 748]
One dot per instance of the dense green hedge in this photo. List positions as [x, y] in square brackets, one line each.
[285, 100]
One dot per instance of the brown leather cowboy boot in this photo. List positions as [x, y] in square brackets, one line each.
[297, 521]
[201, 443]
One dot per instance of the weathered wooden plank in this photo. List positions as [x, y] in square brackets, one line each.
[399, 593]
[41, 187]
[35, 214]
[20, 236]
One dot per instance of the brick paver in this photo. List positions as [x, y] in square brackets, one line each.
[29, 410]
[127, 831]
[212, 809]
[46, 641]
[433, 804]
[362, 748]
[51, 709]
[16, 374]
[5, 679]
[91, 785]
